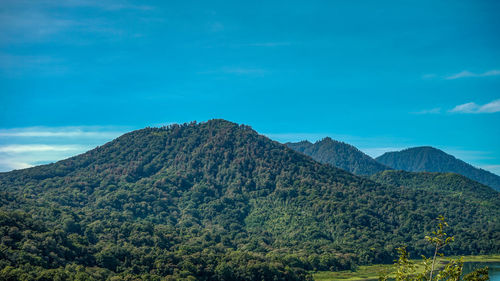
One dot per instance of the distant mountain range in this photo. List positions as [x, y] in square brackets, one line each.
[430, 159]
[417, 159]
[217, 201]
[340, 155]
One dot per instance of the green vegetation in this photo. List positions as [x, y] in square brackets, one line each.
[373, 272]
[215, 201]
[340, 155]
[435, 268]
[429, 159]
[363, 272]
[406, 270]
[453, 184]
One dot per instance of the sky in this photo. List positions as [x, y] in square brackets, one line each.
[381, 75]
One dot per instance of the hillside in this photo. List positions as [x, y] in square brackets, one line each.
[340, 155]
[216, 201]
[429, 159]
[454, 184]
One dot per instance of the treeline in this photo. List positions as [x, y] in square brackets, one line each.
[215, 201]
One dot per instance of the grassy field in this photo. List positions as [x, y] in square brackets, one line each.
[372, 272]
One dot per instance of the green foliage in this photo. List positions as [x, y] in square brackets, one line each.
[340, 155]
[453, 184]
[480, 274]
[214, 201]
[429, 159]
[405, 269]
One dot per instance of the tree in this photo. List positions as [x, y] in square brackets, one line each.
[406, 270]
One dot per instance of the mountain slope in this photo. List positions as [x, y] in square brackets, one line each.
[429, 159]
[340, 155]
[216, 201]
[451, 183]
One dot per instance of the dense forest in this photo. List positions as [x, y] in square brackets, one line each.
[430, 159]
[218, 201]
[340, 155]
[438, 182]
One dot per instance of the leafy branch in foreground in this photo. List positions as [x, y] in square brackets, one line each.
[406, 270]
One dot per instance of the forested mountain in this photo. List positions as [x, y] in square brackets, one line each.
[340, 155]
[451, 183]
[216, 201]
[430, 159]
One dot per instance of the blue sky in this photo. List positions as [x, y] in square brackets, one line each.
[381, 75]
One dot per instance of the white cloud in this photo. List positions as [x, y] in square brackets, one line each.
[20, 156]
[469, 107]
[9, 165]
[466, 73]
[472, 107]
[25, 147]
[105, 5]
[491, 107]
[22, 148]
[58, 132]
[31, 21]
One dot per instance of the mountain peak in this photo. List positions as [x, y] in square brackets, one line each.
[425, 148]
[221, 196]
[340, 155]
[431, 159]
[326, 140]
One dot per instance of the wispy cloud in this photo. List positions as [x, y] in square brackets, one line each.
[12, 164]
[20, 156]
[68, 132]
[35, 21]
[23, 148]
[472, 107]
[465, 74]
[105, 5]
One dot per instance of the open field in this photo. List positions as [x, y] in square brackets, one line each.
[372, 272]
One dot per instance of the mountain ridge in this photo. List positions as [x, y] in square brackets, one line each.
[340, 155]
[430, 159]
[216, 201]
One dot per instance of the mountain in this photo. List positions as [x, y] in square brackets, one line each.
[430, 159]
[216, 201]
[340, 155]
[454, 184]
